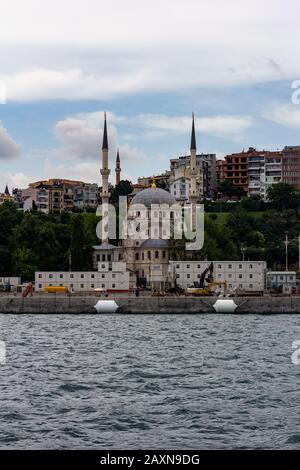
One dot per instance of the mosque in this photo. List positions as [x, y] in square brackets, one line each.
[147, 260]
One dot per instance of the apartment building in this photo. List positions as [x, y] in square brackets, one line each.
[86, 196]
[57, 195]
[236, 169]
[291, 166]
[264, 170]
[206, 177]
[247, 276]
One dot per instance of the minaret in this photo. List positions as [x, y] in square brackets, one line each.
[118, 169]
[193, 167]
[105, 170]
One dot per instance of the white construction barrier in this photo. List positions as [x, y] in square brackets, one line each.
[225, 306]
[106, 306]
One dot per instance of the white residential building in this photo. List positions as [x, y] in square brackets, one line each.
[264, 170]
[9, 282]
[110, 276]
[243, 275]
[284, 282]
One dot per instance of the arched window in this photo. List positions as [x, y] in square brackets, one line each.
[164, 254]
[156, 255]
[149, 254]
[137, 256]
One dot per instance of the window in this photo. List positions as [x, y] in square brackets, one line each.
[219, 266]
[113, 286]
[81, 286]
[103, 257]
[103, 276]
[114, 276]
[50, 276]
[61, 276]
[40, 276]
[164, 254]
[177, 266]
[92, 276]
[250, 276]
[188, 276]
[240, 266]
[187, 266]
[103, 285]
[156, 254]
[40, 286]
[149, 254]
[230, 266]
[103, 266]
[250, 286]
[137, 256]
[71, 285]
[177, 276]
[71, 276]
[82, 276]
[98, 257]
[199, 266]
[108, 257]
[240, 276]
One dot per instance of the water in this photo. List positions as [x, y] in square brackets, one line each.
[190, 381]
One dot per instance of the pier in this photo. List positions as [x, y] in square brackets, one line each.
[68, 304]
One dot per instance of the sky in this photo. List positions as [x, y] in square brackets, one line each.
[149, 65]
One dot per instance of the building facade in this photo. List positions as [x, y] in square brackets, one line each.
[248, 276]
[109, 276]
[291, 166]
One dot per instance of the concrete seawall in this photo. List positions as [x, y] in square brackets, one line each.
[145, 305]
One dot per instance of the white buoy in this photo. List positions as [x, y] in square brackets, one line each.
[106, 306]
[225, 306]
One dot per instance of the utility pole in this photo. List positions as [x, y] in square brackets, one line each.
[299, 252]
[286, 252]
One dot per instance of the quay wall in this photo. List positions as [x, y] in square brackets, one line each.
[49, 304]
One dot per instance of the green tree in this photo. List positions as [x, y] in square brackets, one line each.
[25, 263]
[283, 196]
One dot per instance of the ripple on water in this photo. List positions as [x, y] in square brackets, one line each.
[198, 381]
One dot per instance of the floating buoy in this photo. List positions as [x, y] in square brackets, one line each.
[225, 306]
[106, 306]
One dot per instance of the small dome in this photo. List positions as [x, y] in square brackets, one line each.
[156, 243]
[153, 196]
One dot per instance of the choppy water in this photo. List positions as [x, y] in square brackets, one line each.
[194, 381]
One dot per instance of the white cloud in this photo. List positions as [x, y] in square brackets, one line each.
[61, 49]
[82, 140]
[14, 180]
[285, 114]
[8, 147]
[86, 171]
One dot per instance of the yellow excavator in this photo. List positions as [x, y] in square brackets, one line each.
[199, 288]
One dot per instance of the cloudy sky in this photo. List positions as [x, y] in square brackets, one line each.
[149, 64]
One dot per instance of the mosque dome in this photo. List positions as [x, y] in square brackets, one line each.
[155, 243]
[153, 195]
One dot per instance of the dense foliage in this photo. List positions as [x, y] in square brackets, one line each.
[249, 228]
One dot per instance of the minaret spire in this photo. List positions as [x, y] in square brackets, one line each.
[193, 197]
[193, 137]
[105, 140]
[118, 169]
[105, 171]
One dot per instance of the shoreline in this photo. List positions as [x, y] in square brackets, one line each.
[145, 305]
